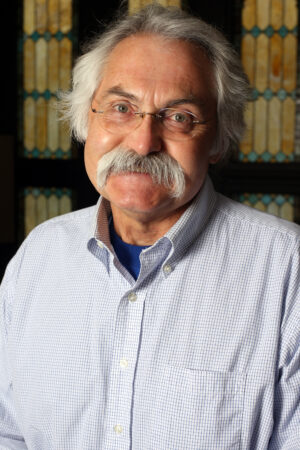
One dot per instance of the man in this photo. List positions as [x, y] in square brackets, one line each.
[167, 316]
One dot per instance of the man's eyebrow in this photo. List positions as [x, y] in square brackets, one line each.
[181, 101]
[117, 90]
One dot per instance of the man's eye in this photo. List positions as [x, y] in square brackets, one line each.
[121, 108]
[180, 117]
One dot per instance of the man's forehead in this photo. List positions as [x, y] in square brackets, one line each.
[149, 47]
[178, 65]
[120, 91]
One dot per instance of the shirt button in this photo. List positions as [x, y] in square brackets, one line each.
[124, 363]
[167, 269]
[118, 429]
[99, 244]
[132, 297]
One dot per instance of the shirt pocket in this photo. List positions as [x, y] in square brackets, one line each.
[197, 409]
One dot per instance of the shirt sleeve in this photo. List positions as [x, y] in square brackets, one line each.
[286, 433]
[10, 435]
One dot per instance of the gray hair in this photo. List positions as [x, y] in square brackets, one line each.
[171, 23]
[163, 169]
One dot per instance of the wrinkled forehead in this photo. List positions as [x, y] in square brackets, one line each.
[158, 61]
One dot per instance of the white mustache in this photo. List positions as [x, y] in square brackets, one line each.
[163, 169]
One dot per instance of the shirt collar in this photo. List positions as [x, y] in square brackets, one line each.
[100, 225]
[182, 234]
[192, 222]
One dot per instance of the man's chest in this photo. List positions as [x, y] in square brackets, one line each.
[180, 353]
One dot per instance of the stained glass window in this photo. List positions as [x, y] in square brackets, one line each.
[47, 61]
[44, 203]
[279, 205]
[269, 56]
[135, 5]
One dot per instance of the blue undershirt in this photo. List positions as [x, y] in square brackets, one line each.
[128, 254]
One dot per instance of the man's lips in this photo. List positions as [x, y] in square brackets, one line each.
[130, 174]
[133, 175]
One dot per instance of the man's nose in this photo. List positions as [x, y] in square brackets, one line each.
[146, 138]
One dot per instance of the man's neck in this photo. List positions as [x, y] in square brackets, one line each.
[137, 230]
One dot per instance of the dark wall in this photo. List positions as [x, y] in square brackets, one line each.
[8, 129]
[221, 14]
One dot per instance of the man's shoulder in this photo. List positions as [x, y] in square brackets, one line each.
[76, 220]
[60, 234]
[259, 221]
[59, 237]
[71, 217]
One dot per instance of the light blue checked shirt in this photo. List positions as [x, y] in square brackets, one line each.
[201, 352]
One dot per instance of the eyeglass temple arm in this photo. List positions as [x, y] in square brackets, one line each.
[95, 111]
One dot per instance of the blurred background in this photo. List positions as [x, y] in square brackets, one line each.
[41, 170]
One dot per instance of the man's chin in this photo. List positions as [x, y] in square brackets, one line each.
[133, 184]
[144, 199]
[138, 202]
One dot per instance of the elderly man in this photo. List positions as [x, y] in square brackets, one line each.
[167, 316]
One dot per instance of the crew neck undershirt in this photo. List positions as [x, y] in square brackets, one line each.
[128, 254]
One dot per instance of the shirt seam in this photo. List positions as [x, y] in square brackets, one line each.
[244, 219]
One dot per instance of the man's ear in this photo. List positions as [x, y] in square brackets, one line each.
[213, 159]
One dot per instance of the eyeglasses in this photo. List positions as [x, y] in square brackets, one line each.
[124, 117]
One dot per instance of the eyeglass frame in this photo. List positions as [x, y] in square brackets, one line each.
[156, 115]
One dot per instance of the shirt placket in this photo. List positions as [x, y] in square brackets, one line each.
[126, 348]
